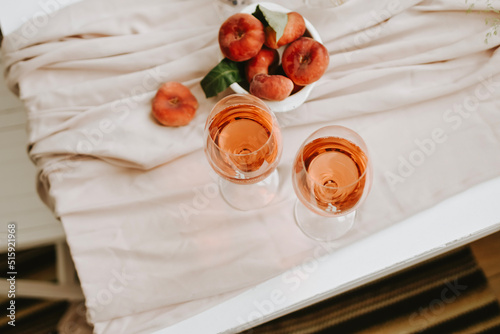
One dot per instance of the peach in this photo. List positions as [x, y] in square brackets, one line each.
[295, 28]
[174, 104]
[305, 60]
[241, 37]
[271, 87]
[264, 62]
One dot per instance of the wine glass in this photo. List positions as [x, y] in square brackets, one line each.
[331, 176]
[226, 8]
[243, 146]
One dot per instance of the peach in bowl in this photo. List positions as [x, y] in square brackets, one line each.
[283, 73]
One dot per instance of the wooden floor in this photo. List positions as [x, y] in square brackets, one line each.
[487, 253]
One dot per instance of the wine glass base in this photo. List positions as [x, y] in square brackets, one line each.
[246, 197]
[322, 228]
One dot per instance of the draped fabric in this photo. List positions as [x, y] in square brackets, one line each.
[152, 240]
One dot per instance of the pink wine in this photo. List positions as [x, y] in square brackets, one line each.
[329, 175]
[246, 144]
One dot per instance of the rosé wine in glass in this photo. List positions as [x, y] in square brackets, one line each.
[331, 177]
[243, 146]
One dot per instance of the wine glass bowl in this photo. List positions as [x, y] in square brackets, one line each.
[331, 178]
[243, 146]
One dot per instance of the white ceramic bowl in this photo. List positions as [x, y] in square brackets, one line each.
[294, 100]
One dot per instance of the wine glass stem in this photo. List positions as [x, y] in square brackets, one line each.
[226, 8]
[246, 197]
[322, 228]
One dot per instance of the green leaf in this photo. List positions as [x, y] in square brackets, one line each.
[221, 77]
[260, 16]
[276, 20]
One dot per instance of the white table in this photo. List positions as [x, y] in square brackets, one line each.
[455, 222]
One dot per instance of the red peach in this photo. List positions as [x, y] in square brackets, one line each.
[174, 104]
[305, 61]
[263, 62]
[271, 87]
[295, 28]
[241, 37]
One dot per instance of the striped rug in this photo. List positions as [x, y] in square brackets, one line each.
[33, 316]
[448, 294]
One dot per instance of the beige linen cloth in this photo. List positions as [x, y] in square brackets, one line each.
[152, 240]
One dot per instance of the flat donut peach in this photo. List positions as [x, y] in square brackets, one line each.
[271, 87]
[265, 60]
[174, 104]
